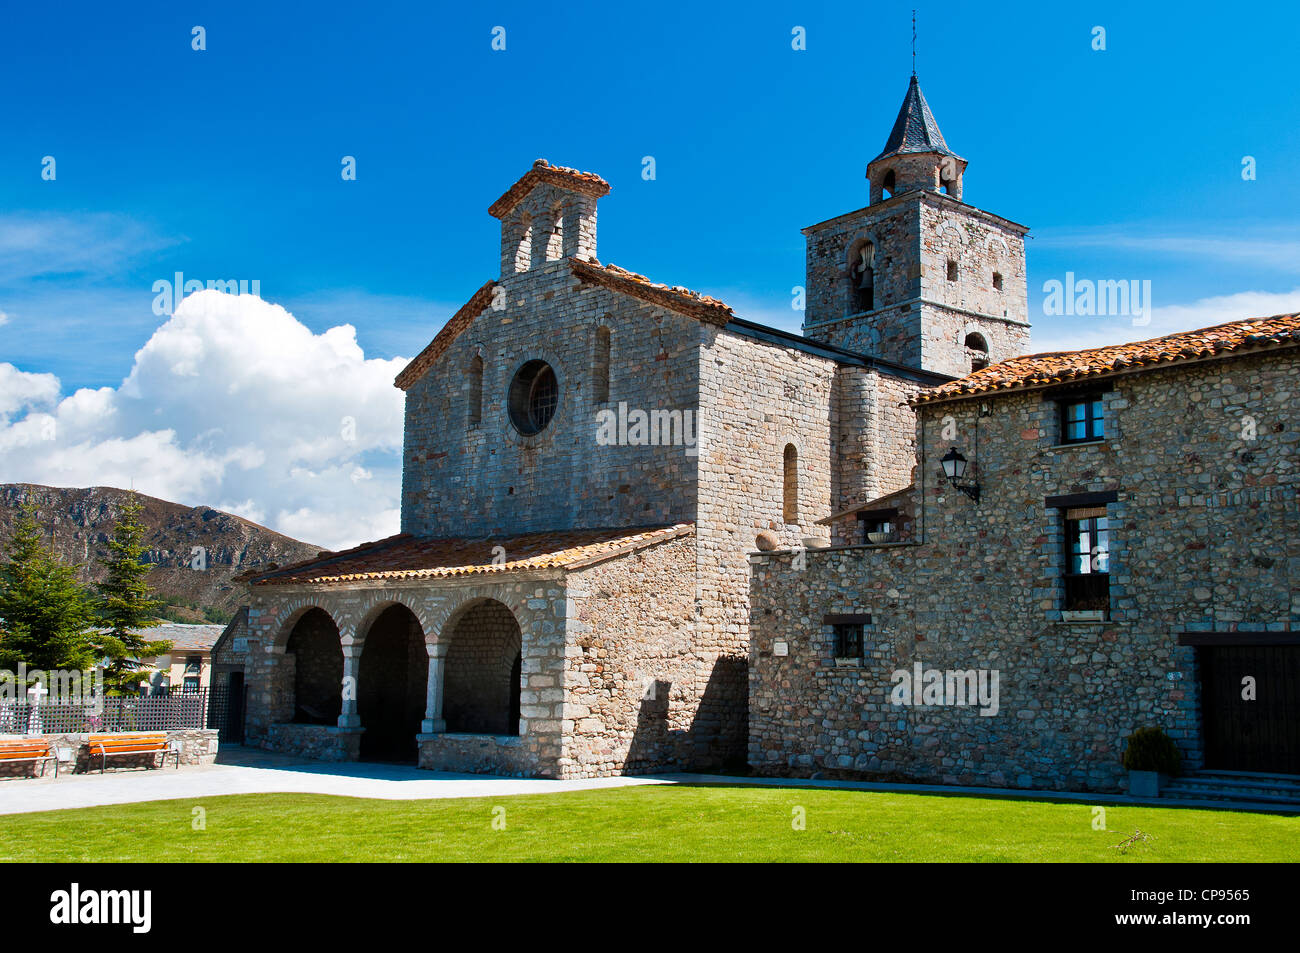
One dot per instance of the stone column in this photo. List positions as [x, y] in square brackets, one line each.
[433, 721]
[348, 717]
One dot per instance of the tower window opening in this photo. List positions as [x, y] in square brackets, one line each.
[952, 270]
[997, 281]
[978, 349]
[862, 278]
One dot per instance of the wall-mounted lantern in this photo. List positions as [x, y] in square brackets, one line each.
[954, 468]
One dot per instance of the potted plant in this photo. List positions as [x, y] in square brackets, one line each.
[1150, 758]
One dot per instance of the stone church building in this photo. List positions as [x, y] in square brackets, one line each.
[640, 533]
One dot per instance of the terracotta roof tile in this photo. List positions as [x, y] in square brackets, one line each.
[1059, 367]
[543, 171]
[459, 321]
[675, 298]
[419, 557]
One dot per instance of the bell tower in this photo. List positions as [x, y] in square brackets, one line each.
[918, 277]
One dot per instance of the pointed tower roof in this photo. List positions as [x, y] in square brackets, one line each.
[915, 129]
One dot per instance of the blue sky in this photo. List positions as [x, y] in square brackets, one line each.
[225, 164]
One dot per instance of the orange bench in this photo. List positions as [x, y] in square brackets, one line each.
[34, 749]
[144, 742]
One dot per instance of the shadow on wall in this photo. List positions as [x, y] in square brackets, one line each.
[718, 736]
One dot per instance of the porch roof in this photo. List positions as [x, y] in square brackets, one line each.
[405, 556]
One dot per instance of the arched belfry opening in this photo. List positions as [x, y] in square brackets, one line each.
[318, 669]
[392, 686]
[862, 277]
[483, 671]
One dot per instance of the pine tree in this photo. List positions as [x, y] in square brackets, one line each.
[45, 615]
[124, 605]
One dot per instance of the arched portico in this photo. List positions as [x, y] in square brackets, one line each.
[482, 670]
[392, 685]
[314, 643]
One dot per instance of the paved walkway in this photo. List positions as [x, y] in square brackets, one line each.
[252, 771]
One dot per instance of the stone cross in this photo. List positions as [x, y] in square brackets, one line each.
[34, 724]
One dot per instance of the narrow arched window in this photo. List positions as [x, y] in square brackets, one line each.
[790, 504]
[475, 391]
[600, 366]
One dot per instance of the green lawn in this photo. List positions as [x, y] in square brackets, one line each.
[651, 823]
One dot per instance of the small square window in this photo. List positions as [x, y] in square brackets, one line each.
[952, 270]
[848, 640]
[1083, 419]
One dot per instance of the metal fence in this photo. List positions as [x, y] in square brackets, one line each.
[205, 708]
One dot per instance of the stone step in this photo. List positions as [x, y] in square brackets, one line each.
[1236, 786]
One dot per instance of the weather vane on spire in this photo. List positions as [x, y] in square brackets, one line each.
[913, 44]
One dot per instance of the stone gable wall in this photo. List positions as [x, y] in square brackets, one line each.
[461, 479]
[1206, 536]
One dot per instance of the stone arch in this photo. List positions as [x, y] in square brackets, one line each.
[483, 668]
[312, 637]
[977, 349]
[392, 681]
[949, 225]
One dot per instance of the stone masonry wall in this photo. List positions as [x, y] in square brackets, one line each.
[875, 435]
[633, 676]
[755, 399]
[1206, 536]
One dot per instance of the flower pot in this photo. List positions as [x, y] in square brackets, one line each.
[1144, 783]
[878, 537]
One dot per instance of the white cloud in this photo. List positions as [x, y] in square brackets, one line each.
[4, 319]
[233, 399]
[1164, 320]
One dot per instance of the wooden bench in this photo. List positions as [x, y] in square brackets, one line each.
[33, 749]
[144, 742]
